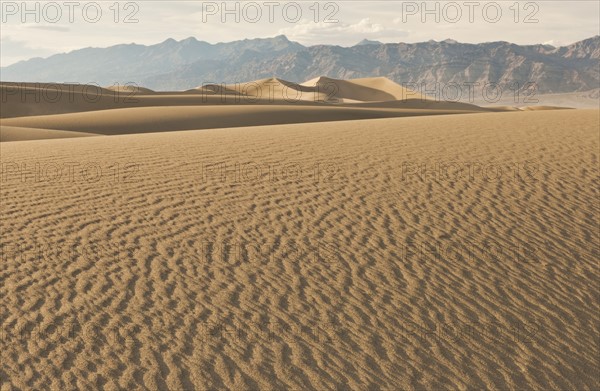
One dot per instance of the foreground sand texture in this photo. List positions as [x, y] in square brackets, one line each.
[156, 264]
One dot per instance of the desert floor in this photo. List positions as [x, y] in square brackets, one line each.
[438, 252]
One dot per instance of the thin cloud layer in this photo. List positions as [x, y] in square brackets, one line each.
[310, 33]
[335, 23]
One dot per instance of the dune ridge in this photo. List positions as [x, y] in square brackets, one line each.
[133, 109]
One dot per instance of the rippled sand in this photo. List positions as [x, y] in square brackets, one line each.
[446, 252]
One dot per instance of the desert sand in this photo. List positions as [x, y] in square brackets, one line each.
[396, 252]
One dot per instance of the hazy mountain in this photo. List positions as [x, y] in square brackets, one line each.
[369, 42]
[176, 65]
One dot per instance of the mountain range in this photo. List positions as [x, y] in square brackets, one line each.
[189, 63]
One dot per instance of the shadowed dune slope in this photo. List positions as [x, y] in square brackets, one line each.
[330, 259]
[14, 133]
[161, 119]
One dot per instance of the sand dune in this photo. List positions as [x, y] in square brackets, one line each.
[133, 109]
[162, 119]
[304, 257]
[272, 89]
[321, 89]
[28, 99]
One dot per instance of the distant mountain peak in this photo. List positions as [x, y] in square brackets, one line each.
[278, 38]
[368, 42]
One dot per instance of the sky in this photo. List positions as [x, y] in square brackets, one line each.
[42, 28]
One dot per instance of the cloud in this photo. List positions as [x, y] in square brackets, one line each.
[310, 33]
[556, 43]
[48, 27]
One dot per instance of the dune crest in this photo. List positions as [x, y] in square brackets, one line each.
[321, 89]
[131, 88]
[370, 89]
